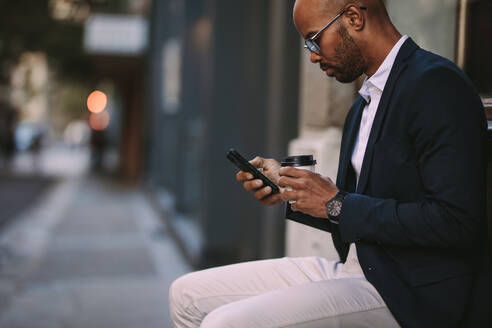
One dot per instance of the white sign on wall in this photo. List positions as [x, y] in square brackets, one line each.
[115, 34]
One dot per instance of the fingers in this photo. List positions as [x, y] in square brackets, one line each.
[294, 183]
[293, 172]
[289, 195]
[295, 207]
[253, 184]
[243, 176]
[262, 193]
[265, 197]
[270, 200]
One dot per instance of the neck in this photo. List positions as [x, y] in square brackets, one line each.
[379, 48]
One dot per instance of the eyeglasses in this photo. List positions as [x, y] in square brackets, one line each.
[311, 44]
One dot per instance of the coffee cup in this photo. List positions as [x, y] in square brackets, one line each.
[303, 162]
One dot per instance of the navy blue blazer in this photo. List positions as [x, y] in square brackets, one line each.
[418, 215]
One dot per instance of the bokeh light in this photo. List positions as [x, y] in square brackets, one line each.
[99, 121]
[96, 102]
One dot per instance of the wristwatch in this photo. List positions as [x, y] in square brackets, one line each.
[334, 205]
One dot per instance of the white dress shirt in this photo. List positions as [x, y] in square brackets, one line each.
[371, 91]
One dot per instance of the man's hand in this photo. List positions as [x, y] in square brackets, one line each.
[310, 191]
[270, 169]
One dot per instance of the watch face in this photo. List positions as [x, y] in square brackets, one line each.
[334, 207]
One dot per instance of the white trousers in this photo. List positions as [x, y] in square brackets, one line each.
[309, 292]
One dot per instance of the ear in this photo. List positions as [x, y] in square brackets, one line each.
[354, 17]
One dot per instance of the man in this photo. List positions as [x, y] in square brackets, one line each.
[407, 214]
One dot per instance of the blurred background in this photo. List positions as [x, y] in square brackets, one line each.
[115, 117]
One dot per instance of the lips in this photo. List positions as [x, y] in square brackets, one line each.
[330, 71]
[325, 67]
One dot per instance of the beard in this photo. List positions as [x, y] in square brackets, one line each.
[351, 63]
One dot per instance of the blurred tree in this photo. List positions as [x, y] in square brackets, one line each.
[51, 26]
[27, 25]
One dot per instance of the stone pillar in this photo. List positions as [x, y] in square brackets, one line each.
[432, 24]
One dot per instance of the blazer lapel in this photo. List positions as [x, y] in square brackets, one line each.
[348, 146]
[399, 66]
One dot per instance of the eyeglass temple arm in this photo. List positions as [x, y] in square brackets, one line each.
[329, 23]
[326, 26]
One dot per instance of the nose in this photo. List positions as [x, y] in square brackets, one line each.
[315, 58]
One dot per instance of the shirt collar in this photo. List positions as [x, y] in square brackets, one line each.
[379, 78]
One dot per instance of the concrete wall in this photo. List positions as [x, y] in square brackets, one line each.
[432, 24]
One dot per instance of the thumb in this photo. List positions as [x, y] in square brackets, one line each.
[258, 161]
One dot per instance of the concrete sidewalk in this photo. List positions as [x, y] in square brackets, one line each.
[90, 254]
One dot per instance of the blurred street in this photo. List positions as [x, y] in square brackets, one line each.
[87, 252]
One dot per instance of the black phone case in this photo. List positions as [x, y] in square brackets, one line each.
[246, 166]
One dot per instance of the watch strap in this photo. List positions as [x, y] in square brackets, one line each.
[340, 196]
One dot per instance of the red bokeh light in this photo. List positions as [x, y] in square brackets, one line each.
[96, 102]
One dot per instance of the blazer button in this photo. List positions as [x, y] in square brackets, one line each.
[369, 268]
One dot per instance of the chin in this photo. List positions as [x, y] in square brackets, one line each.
[346, 78]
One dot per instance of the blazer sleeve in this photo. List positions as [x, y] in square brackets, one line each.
[318, 223]
[448, 129]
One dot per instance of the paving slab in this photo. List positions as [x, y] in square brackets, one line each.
[18, 192]
[102, 219]
[80, 263]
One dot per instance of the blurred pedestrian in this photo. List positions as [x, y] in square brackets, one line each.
[98, 143]
[9, 119]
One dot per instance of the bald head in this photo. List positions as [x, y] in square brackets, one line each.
[364, 32]
[376, 12]
[330, 6]
[376, 8]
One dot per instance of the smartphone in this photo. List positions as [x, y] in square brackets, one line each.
[246, 166]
